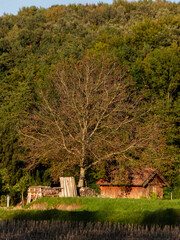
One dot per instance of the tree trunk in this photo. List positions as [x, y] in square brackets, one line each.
[22, 198]
[8, 200]
[81, 182]
[171, 193]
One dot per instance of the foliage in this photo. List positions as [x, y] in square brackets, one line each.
[22, 185]
[153, 196]
[142, 36]
[6, 181]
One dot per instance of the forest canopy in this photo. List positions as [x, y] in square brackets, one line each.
[37, 45]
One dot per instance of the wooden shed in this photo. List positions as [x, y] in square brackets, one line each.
[135, 183]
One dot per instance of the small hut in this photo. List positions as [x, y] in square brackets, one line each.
[135, 183]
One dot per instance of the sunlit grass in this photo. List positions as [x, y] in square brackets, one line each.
[125, 211]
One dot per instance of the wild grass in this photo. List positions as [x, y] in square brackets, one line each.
[60, 230]
[123, 211]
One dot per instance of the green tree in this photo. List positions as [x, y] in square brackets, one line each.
[161, 71]
[22, 185]
[7, 187]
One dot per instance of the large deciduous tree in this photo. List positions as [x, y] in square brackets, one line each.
[89, 113]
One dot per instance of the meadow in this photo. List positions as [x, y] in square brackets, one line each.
[122, 211]
[92, 218]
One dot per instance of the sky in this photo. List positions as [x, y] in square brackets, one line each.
[13, 6]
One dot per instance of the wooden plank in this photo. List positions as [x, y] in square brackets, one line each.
[68, 186]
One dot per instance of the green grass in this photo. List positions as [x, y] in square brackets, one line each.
[125, 211]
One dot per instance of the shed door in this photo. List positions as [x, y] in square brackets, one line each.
[151, 189]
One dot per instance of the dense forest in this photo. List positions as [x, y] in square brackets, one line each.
[88, 88]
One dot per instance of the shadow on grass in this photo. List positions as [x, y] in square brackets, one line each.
[54, 214]
[159, 217]
[162, 217]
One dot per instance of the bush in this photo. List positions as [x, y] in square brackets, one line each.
[153, 196]
[3, 201]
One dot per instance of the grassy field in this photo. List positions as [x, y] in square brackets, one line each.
[124, 211]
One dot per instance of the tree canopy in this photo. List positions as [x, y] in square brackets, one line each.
[38, 45]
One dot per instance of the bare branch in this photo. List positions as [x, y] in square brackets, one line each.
[92, 112]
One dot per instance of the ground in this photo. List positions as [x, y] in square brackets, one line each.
[125, 211]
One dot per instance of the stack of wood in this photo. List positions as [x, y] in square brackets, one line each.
[68, 186]
[68, 189]
[35, 192]
[86, 192]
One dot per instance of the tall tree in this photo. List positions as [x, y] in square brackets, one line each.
[89, 114]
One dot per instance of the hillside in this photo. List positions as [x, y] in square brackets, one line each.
[140, 40]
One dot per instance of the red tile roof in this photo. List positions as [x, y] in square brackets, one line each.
[133, 177]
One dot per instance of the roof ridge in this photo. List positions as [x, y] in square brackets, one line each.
[150, 177]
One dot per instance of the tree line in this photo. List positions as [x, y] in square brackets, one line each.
[85, 88]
